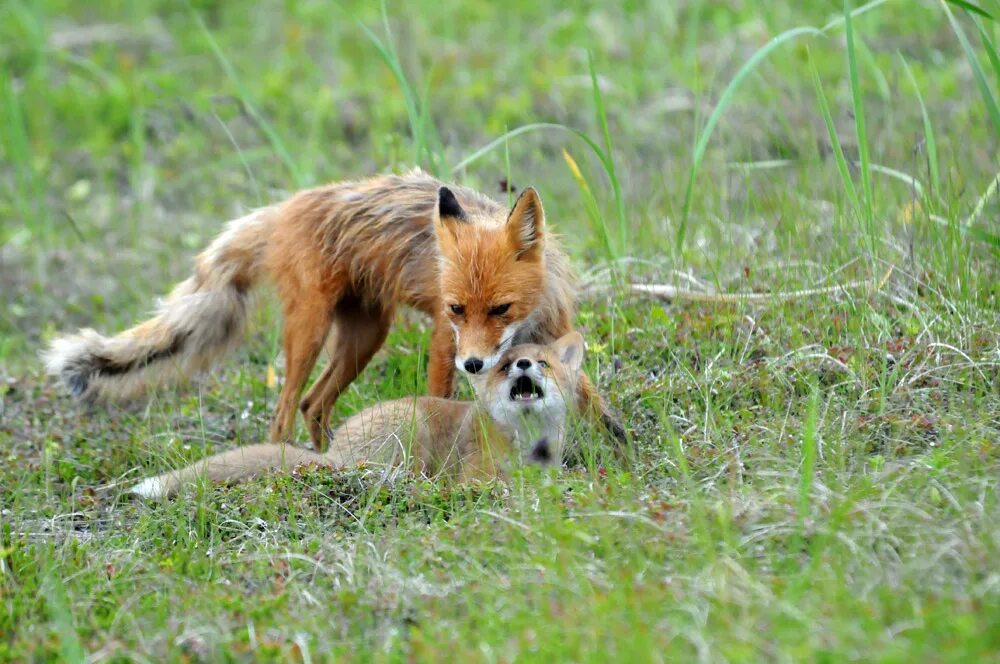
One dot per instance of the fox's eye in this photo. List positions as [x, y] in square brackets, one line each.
[499, 310]
[543, 364]
[457, 309]
[505, 368]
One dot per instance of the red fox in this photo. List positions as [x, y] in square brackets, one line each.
[343, 257]
[519, 413]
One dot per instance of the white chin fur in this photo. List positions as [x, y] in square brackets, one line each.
[151, 487]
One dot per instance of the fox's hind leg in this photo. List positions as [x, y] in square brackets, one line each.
[307, 322]
[358, 333]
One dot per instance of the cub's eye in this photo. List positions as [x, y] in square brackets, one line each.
[457, 309]
[505, 368]
[543, 363]
[499, 310]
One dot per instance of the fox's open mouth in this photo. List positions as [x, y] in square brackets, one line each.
[524, 389]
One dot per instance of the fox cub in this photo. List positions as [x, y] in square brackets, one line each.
[343, 258]
[519, 414]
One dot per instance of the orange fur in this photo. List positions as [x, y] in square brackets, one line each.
[458, 440]
[343, 257]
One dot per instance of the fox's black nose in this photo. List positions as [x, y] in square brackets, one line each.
[523, 364]
[474, 365]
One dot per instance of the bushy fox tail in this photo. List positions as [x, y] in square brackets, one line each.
[193, 327]
[231, 467]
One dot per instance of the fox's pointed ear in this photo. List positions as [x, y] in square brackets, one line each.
[570, 348]
[446, 214]
[448, 205]
[526, 225]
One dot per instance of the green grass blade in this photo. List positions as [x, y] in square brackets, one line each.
[417, 109]
[986, 237]
[57, 604]
[609, 154]
[807, 470]
[590, 205]
[977, 70]
[29, 196]
[727, 96]
[969, 7]
[929, 140]
[502, 140]
[839, 21]
[871, 65]
[990, 47]
[838, 150]
[861, 131]
[272, 136]
[413, 115]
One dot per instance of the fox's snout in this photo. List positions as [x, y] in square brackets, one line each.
[477, 361]
[478, 350]
[473, 365]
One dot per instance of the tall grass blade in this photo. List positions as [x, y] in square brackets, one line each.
[857, 100]
[808, 456]
[421, 128]
[969, 7]
[831, 129]
[57, 604]
[590, 205]
[609, 154]
[929, 140]
[990, 47]
[29, 197]
[977, 70]
[699, 518]
[727, 96]
[272, 136]
[503, 139]
[839, 21]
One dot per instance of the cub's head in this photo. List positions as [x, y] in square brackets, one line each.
[492, 276]
[531, 389]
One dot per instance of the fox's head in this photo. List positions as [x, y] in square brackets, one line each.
[530, 391]
[492, 276]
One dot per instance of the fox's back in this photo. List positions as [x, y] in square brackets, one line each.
[377, 233]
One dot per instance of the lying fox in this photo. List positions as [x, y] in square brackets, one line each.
[520, 411]
[343, 257]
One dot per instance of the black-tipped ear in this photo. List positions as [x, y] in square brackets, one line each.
[542, 452]
[448, 205]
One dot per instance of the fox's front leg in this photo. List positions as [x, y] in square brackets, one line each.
[441, 366]
[592, 404]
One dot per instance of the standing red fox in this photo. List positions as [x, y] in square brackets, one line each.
[343, 257]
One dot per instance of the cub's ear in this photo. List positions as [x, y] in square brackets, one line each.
[570, 347]
[526, 225]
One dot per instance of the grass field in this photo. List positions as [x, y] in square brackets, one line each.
[815, 478]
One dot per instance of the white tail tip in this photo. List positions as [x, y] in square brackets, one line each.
[151, 487]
